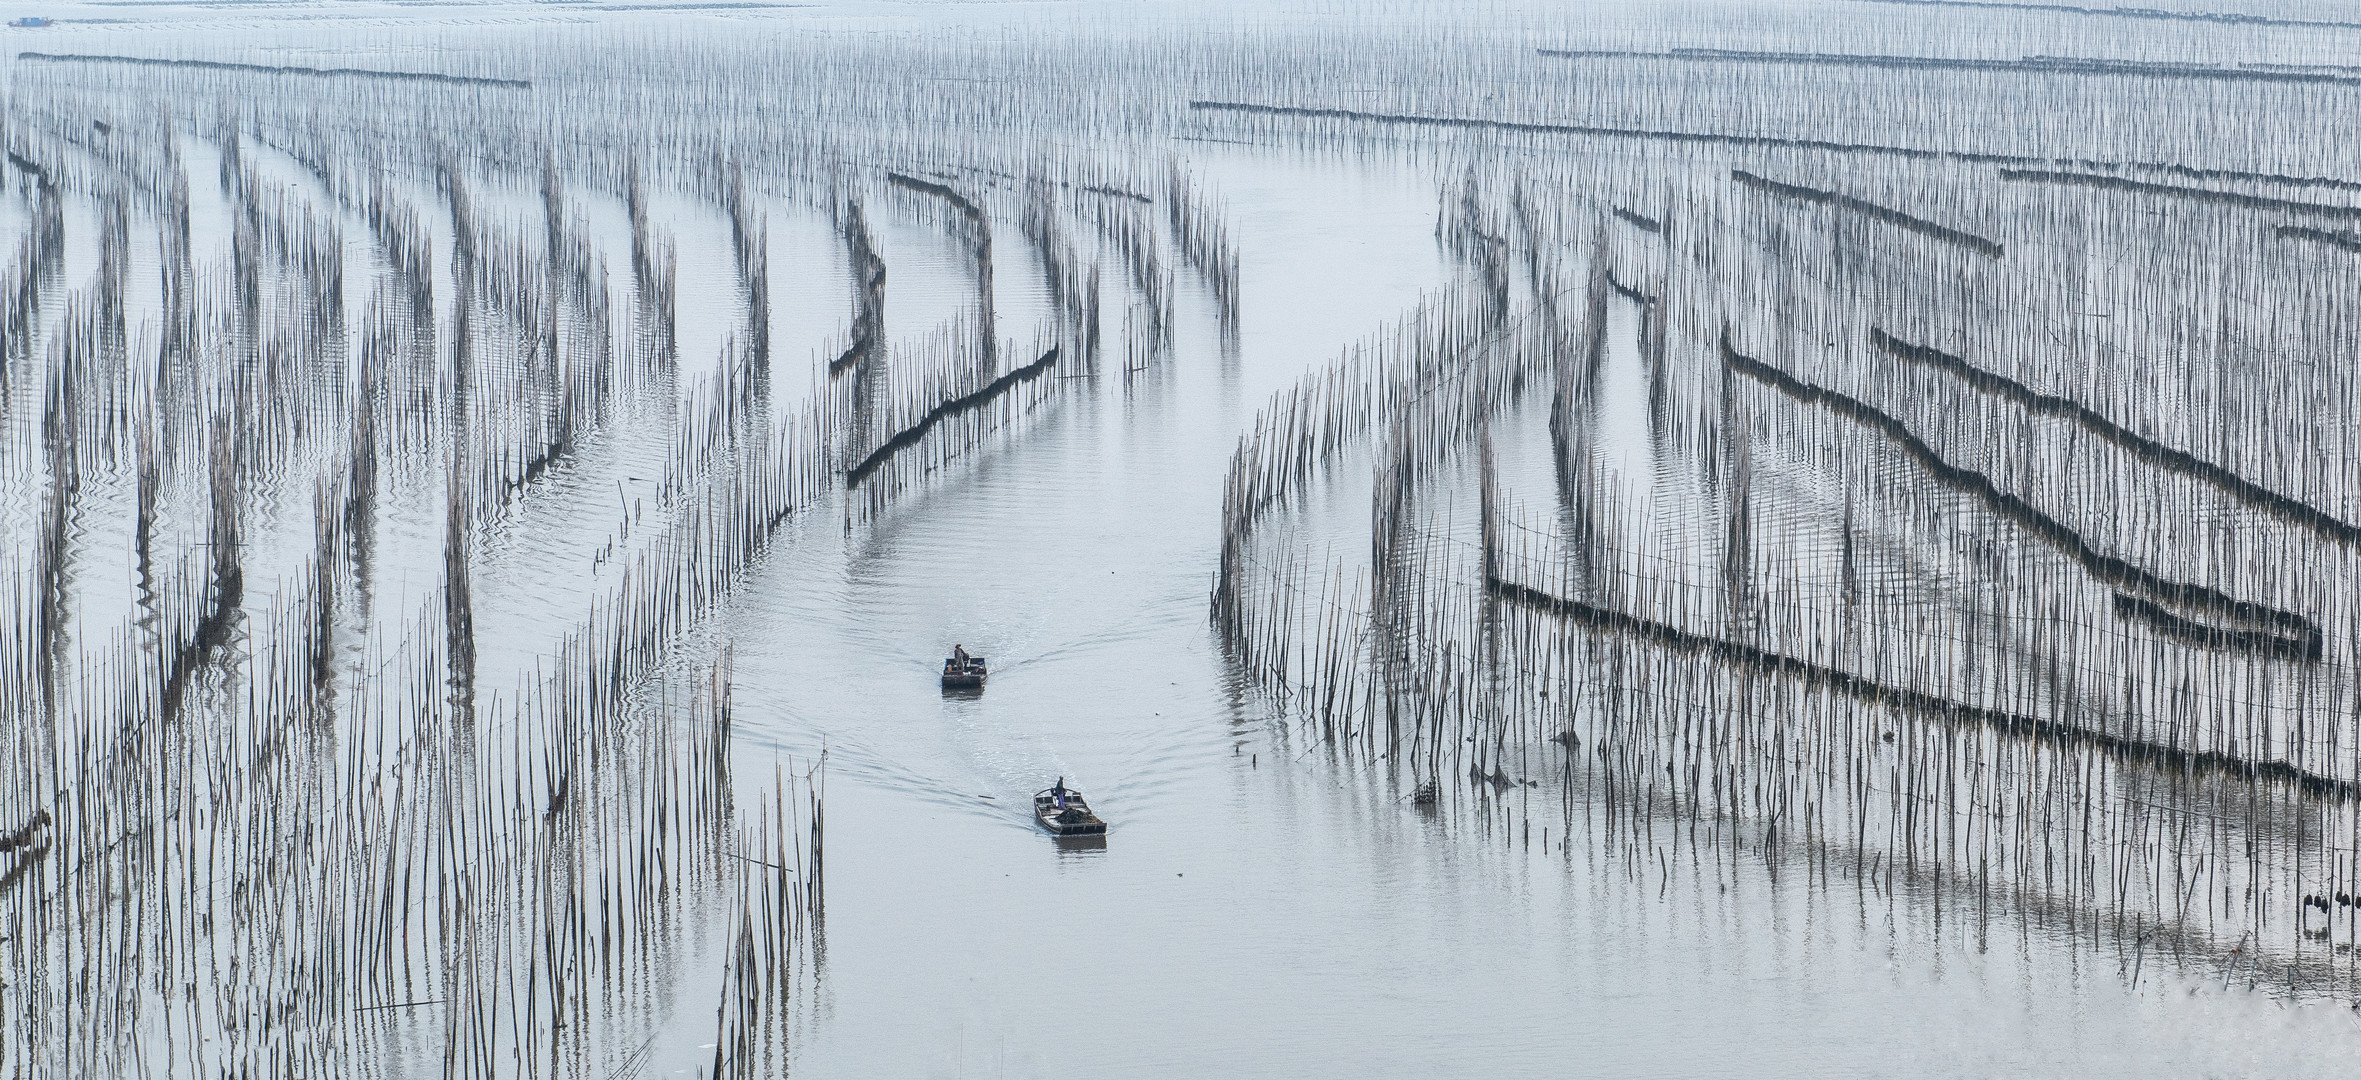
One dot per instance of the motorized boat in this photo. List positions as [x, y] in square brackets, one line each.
[1064, 812]
[962, 671]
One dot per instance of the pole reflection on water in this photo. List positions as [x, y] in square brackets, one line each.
[476, 512]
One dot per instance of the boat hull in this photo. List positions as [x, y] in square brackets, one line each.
[1092, 827]
[1075, 818]
[964, 673]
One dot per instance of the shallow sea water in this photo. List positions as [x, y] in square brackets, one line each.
[1265, 905]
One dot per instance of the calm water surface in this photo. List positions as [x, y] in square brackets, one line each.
[1263, 906]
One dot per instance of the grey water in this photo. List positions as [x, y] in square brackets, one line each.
[1266, 904]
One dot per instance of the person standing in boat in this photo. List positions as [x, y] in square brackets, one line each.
[959, 653]
[1059, 792]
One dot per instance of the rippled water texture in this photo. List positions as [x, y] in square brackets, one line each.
[1270, 901]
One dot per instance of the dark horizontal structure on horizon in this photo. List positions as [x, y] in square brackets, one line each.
[2344, 240]
[2226, 18]
[2033, 65]
[1640, 220]
[942, 191]
[1657, 134]
[2235, 174]
[1865, 208]
[1786, 143]
[910, 436]
[2146, 449]
[1629, 293]
[26, 164]
[274, 69]
[2191, 632]
[2302, 638]
[2181, 191]
[1918, 701]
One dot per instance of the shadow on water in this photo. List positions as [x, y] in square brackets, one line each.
[1070, 847]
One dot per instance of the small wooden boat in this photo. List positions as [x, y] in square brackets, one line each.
[962, 671]
[1063, 812]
